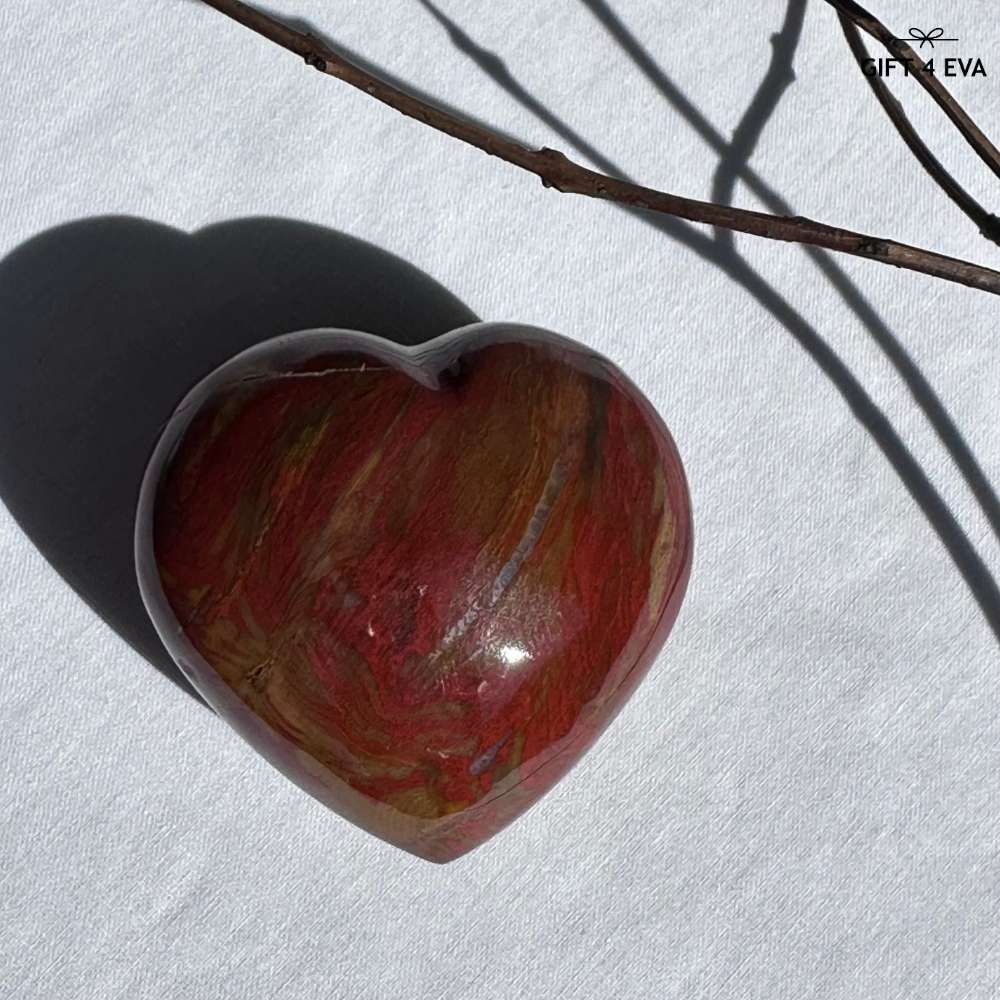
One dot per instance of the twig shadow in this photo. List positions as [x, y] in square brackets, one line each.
[734, 165]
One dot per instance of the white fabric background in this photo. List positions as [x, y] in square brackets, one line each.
[803, 799]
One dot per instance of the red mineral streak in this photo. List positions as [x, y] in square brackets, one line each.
[421, 586]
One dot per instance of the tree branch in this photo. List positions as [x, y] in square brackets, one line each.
[988, 224]
[971, 132]
[556, 171]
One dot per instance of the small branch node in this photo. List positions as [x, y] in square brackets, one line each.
[874, 248]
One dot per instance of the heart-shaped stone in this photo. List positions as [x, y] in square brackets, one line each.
[420, 581]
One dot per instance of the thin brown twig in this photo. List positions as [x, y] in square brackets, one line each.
[901, 50]
[987, 222]
[557, 171]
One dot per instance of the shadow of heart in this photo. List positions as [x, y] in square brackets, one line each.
[107, 322]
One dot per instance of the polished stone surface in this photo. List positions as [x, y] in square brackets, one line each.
[420, 581]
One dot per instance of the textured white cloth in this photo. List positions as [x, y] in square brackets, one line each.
[803, 799]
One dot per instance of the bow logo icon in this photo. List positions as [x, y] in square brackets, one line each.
[927, 37]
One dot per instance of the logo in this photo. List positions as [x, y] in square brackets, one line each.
[950, 66]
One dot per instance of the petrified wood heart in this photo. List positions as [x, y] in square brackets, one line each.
[420, 581]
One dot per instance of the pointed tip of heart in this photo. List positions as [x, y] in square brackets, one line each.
[437, 856]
